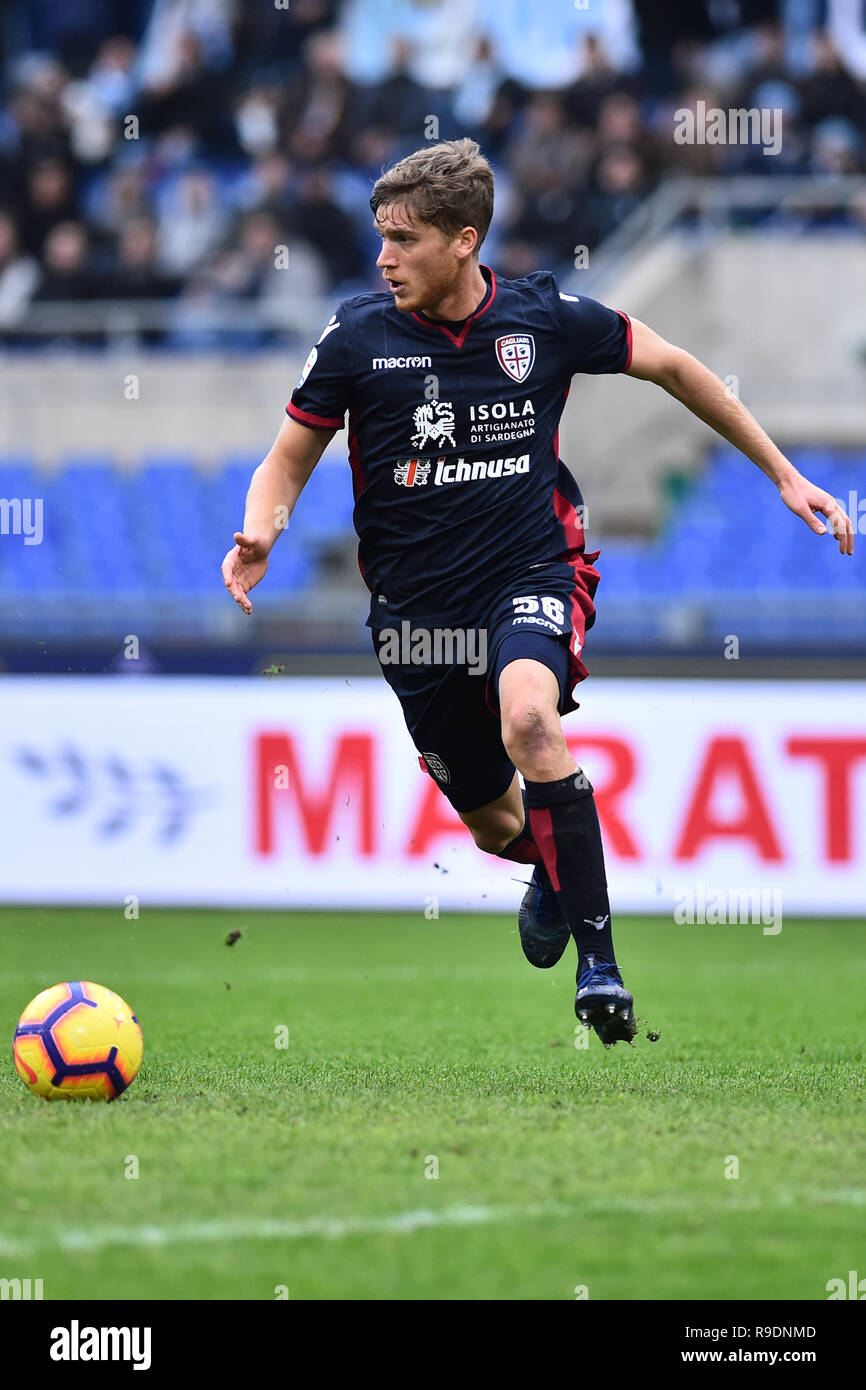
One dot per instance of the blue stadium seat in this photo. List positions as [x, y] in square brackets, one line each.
[19, 476]
[624, 566]
[324, 509]
[157, 534]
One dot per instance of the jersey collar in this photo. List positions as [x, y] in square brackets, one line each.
[459, 338]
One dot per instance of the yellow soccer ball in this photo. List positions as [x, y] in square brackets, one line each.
[77, 1041]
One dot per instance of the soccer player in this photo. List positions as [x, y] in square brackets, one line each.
[454, 382]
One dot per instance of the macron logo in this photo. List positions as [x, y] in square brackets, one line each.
[388, 362]
[76, 1343]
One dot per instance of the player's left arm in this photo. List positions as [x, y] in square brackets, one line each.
[689, 381]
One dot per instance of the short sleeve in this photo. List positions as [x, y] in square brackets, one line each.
[321, 397]
[599, 339]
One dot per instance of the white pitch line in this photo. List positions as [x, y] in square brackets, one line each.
[405, 1223]
[326, 1228]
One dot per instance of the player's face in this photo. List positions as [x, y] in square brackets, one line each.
[419, 262]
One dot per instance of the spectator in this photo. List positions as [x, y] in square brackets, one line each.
[768, 63]
[265, 35]
[846, 23]
[287, 116]
[621, 182]
[257, 121]
[620, 123]
[50, 199]
[19, 275]
[369, 30]
[136, 273]
[315, 113]
[111, 78]
[268, 184]
[242, 271]
[75, 28]
[91, 130]
[284, 277]
[548, 151]
[399, 104]
[118, 198]
[437, 41]
[829, 89]
[188, 95]
[66, 272]
[598, 80]
[547, 46]
[184, 37]
[517, 258]
[191, 225]
[318, 220]
[36, 116]
[836, 149]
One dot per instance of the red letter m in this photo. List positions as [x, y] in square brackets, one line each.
[350, 778]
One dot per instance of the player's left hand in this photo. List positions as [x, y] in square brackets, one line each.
[805, 499]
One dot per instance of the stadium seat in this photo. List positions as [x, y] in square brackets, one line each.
[157, 533]
[324, 510]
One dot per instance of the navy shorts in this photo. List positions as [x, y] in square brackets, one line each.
[447, 679]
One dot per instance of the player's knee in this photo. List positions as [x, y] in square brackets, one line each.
[492, 841]
[531, 733]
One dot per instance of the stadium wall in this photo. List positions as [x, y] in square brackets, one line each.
[779, 318]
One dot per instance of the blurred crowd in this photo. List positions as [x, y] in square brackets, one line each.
[165, 149]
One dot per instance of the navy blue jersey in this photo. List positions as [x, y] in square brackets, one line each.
[453, 436]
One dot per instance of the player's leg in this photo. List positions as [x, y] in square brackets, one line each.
[457, 733]
[459, 744]
[502, 828]
[564, 823]
[544, 930]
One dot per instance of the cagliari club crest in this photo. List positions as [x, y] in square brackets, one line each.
[432, 763]
[516, 354]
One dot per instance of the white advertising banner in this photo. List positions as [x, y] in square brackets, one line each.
[289, 792]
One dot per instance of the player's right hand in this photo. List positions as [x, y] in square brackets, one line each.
[243, 567]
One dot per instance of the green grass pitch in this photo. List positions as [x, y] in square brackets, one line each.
[304, 1168]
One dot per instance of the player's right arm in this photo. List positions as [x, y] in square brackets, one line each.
[274, 489]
